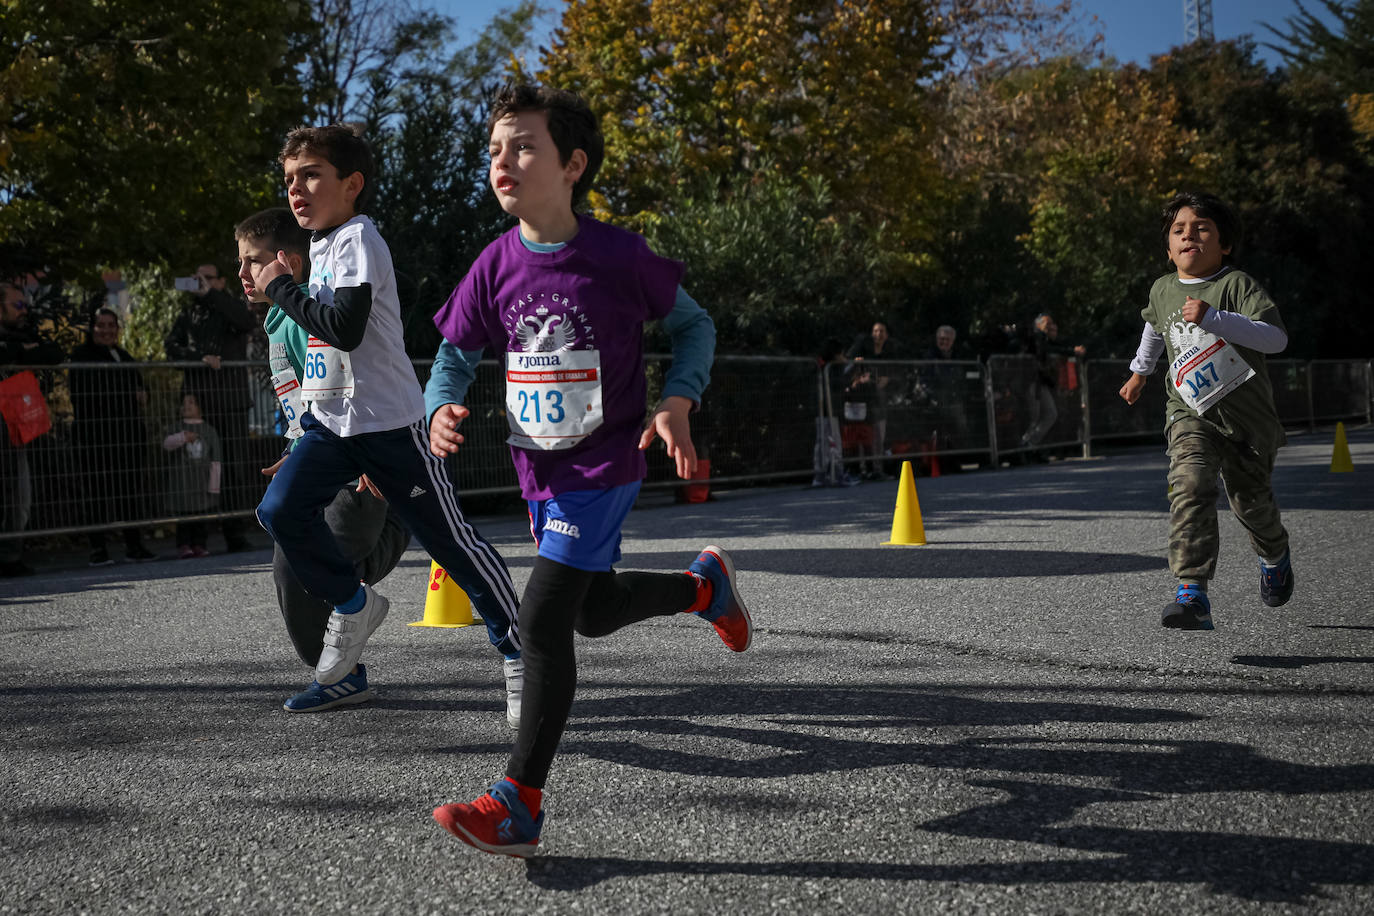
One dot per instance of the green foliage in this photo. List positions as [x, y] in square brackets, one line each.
[155, 305]
[1343, 55]
[988, 278]
[693, 88]
[136, 132]
[1289, 161]
[777, 271]
[816, 163]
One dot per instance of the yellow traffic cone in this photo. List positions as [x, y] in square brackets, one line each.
[1340, 454]
[907, 530]
[446, 605]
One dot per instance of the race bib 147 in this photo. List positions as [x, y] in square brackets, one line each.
[1208, 370]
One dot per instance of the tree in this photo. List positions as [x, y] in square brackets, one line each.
[989, 37]
[1344, 55]
[134, 132]
[1342, 58]
[1076, 155]
[769, 290]
[817, 87]
[427, 125]
[1287, 158]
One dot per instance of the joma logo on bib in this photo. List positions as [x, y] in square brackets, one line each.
[528, 362]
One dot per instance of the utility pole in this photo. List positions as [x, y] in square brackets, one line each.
[1197, 20]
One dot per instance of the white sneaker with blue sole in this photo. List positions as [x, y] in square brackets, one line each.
[346, 635]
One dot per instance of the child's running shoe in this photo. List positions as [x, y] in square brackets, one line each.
[514, 669]
[346, 636]
[1190, 611]
[1276, 582]
[498, 822]
[727, 612]
[317, 697]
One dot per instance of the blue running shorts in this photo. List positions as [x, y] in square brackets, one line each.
[581, 528]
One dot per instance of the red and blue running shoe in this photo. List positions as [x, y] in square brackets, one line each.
[726, 612]
[498, 822]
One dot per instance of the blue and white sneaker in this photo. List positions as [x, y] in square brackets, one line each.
[727, 612]
[345, 637]
[1190, 611]
[318, 697]
[1276, 582]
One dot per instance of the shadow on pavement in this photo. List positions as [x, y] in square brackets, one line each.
[933, 561]
[1146, 770]
[1300, 661]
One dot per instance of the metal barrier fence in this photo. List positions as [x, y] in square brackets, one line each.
[103, 469]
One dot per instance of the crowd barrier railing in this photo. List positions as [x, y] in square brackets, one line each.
[759, 421]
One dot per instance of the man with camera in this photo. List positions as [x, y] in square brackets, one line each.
[213, 328]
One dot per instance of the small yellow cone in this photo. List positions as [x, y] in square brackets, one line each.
[446, 605]
[1340, 454]
[907, 530]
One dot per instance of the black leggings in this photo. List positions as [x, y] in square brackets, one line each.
[558, 600]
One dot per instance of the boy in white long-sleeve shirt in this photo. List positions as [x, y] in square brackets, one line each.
[1215, 323]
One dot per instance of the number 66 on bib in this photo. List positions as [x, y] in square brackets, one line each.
[327, 373]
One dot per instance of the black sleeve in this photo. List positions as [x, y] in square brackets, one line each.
[46, 353]
[232, 309]
[857, 347]
[176, 343]
[341, 325]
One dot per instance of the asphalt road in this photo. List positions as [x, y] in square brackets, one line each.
[992, 723]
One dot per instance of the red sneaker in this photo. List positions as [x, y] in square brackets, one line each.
[727, 612]
[498, 822]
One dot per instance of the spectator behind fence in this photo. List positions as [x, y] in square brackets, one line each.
[1048, 356]
[214, 327]
[857, 428]
[827, 457]
[21, 345]
[110, 437]
[194, 475]
[864, 353]
[943, 384]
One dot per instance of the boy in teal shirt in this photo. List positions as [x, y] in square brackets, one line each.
[1215, 323]
[369, 533]
[364, 412]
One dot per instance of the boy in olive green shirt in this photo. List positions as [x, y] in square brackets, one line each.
[1215, 323]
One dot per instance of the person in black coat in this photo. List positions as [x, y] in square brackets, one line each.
[212, 328]
[110, 437]
[20, 345]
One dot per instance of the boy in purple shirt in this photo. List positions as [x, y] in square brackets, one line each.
[563, 299]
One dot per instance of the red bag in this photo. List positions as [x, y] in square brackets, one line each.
[1068, 375]
[24, 408]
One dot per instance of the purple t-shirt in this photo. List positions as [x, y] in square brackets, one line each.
[569, 326]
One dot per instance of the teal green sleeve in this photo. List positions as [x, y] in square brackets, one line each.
[693, 334]
[453, 372]
[294, 338]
